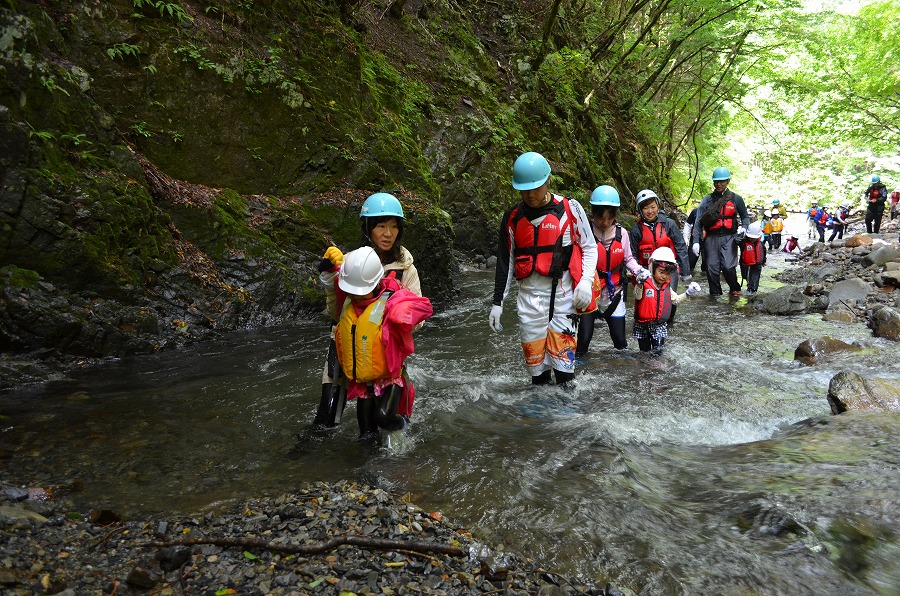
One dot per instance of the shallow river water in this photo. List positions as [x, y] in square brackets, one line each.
[714, 469]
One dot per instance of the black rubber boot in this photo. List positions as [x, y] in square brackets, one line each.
[386, 414]
[366, 417]
[331, 406]
[541, 379]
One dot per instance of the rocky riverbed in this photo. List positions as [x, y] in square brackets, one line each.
[852, 280]
[340, 538]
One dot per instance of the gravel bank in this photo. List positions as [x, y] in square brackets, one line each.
[48, 548]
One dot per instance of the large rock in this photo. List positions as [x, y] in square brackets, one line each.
[786, 300]
[854, 289]
[813, 350]
[849, 391]
[882, 255]
[858, 240]
[885, 323]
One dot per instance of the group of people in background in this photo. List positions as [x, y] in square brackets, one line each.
[572, 268]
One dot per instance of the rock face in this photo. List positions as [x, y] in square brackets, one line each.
[858, 240]
[854, 289]
[849, 391]
[813, 350]
[882, 255]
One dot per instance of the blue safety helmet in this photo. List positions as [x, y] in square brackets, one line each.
[381, 204]
[530, 171]
[721, 173]
[775, 201]
[876, 179]
[605, 195]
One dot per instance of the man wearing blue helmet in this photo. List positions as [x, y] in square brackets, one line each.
[546, 244]
[722, 218]
[875, 197]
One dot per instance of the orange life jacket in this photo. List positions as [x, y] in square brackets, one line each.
[654, 304]
[358, 339]
[777, 225]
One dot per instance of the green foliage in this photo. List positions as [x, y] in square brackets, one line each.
[121, 50]
[171, 9]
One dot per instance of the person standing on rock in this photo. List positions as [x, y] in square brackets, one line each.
[381, 222]
[546, 245]
[823, 221]
[875, 197]
[812, 216]
[722, 218]
[839, 222]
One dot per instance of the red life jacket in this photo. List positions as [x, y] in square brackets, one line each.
[652, 237]
[611, 262]
[654, 304]
[727, 218]
[823, 218]
[813, 212]
[895, 196]
[751, 252]
[539, 248]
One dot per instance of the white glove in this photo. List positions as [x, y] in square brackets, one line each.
[581, 297]
[642, 275]
[494, 318]
[692, 289]
[740, 232]
[696, 249]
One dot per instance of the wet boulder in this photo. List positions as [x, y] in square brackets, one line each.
[786, 300]
[882, 255]
[854, 289]
[849, 391]
[813, 350]
[885, 322]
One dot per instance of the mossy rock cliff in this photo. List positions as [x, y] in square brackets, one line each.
[175, 169]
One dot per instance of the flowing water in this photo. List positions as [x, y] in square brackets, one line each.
[716, 468]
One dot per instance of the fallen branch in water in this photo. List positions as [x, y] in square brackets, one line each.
[321, 547]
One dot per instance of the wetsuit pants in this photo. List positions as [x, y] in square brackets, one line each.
[614, 315]
[873, 219]
[721, 256]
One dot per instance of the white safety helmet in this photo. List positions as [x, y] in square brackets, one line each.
[361, 271]
[754, 231]
[646, 195]
[663, 254]
[767, 213]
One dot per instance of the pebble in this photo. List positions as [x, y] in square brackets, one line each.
[115, 559]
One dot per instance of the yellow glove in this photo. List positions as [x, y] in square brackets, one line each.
[334, 255]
